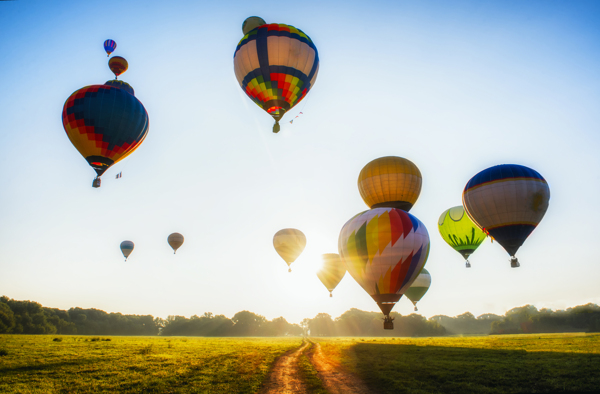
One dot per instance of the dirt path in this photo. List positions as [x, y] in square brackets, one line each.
[285, 377]
[335, 380]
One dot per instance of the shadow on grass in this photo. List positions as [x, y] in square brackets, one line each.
[389, 368]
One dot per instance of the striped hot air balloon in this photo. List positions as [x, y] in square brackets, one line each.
[109, 47]
[384, 249]
[507, 201]
[118, 65]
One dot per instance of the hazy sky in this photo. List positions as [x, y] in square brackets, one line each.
[454, 86]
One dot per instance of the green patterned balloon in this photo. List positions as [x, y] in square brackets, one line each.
[459, 231]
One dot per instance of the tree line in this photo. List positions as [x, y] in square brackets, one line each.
[28, 317]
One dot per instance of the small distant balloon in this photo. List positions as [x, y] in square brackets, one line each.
[289, 244]
[109, 46]
[175, 240]
[332, 271]
[419, 287]
[118, 65]
[126, 248]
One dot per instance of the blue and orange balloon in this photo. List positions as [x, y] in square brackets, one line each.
[105, 124]
[109, 46]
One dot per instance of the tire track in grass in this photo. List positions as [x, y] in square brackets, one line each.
[285, 377]
[334, 378]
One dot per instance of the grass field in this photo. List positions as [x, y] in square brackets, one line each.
[492, 364]
[76, 364]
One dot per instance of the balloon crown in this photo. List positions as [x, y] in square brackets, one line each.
[121, 85]
[252, 23]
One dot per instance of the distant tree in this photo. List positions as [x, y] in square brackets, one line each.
[246, 323]
[7, 318]
[322, 325]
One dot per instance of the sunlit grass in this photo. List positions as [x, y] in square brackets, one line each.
[137, 364]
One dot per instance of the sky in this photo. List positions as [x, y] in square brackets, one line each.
[455, 87]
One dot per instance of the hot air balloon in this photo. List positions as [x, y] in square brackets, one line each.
[121, 85]
[459, 231]
[175, 240]
[126, 248]
[105, 124]
[289, 244]
[109, 47]
[118, 65]
[419, 287]
[390, 182]
[332, 271]
[507, 201]
[276, 65]
[384, 250]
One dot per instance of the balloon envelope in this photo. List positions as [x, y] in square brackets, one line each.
[105, 124]
[390, 181]
[289, 244]
[118, 65]
[332, 271]
[507, 201]
[175, 240]
[276, 65]
[109, 46]
[126, 248]
[459, 231]
[419, 287]
[384, 249]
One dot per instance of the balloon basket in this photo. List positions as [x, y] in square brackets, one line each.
[514, 262]
[289, 270]
[330, 295]
[388, 323]
[96, 182]
[468, 265]
[416, 308]
[276, 127]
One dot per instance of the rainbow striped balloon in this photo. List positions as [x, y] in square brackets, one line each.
[384, 249]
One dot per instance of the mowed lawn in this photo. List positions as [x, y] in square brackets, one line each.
[534, 363]
[82, 364]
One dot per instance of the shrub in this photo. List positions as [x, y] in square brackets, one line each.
[3, 352]
[147, 350]
[57, 339]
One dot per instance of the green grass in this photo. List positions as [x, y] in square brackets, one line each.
[39, 364]
[492, 364]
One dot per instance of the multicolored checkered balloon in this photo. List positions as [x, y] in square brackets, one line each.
[276, 65]
[105, 124]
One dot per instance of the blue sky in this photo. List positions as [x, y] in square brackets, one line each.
[455, 87]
